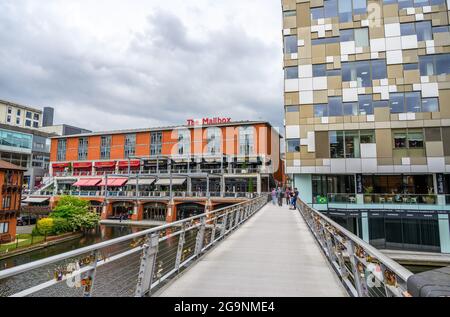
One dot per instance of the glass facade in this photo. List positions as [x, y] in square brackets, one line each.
[83, 146]
[246, 141]
[16, 139]
[214, 139]
[156, 143]
[105, 147]
[61, 154]
[130, 145]
[184, 142]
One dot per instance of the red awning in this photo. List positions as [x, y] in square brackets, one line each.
[88, 182]
[114, 182]
[60, 165]
[82, 165]
[132, 163]
[105, 164]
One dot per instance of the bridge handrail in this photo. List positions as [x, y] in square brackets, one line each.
[330, 235]
[239, 213]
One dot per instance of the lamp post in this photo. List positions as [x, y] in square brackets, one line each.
[170, 177]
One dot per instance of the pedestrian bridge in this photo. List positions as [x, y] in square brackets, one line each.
[252, 249]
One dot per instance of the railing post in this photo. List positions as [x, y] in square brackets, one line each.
[89, 280]
[200, 236]
[147, 267]
[224, 224]
[360, 285]
[181, 242]
[213, 232]
[238, 215]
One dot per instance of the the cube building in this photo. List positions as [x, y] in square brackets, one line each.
[367, 103]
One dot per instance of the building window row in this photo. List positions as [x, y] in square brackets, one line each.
[402, 4]
[16, 139]
[431, 65]
[346, 144]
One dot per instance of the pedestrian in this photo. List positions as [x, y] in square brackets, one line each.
[274, 196]
[294, 200]
[280, 193]
[287, 195]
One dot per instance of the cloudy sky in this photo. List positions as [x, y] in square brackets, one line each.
[110, 64]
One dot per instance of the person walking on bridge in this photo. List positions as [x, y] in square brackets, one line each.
[274, 196]
[280, 194]
[287, 195]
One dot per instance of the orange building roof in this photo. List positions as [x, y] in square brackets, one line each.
[8, 166]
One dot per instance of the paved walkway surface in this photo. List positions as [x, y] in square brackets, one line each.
[272, 255]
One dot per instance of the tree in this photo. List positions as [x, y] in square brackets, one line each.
[76, 212]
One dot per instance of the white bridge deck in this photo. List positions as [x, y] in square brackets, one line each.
[272, 255]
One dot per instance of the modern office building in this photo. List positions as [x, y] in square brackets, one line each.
[205, 162]
[27, 148]
[23, 116]
[11, 177]
[63, 129]
[367, 115]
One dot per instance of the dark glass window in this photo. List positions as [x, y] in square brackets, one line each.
[319, 70]
[292, 109]
[413, 103]
[321, 110]
[365, 104]
[330, 8]
[290, 44]
[379, 69]
[334, 106]
[350, 109]
[396, 102]
[430, 105]
[336, 144]
[293, 145]
[291, 72]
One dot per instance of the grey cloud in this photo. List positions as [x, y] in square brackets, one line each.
[164, 76]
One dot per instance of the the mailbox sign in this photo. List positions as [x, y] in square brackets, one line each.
[207, 121]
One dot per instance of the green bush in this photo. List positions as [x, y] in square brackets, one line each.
[60, 226]
[75, 213]
[45, 226]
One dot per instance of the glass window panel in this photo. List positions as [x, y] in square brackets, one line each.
[346, 35]
[365, 104]
[348, 72]
[330, 8]
[334, 106]
[292, 109]
[334, 72]
[400, 139]
[426, 65]
[321, 111]
[352, 148]
[441, 29]
[407, 29]
[293, 145]
[413, 103]
[319, 70]
[291, 72]
[350, 109]
[336, 144]
[430, 105]
[290, 44]
[420, 3]
[317, 13]
[415, 139]
[436, 2]
[359, 6]
[362, 37]
[380, 104]
[363, 74]
[290, 13]
[423, 31]
[396, 102]
[345, 11]
[405, 4]
[442, 64]
[413, 66]
[379, 69]
[389, 1]
[367, 136]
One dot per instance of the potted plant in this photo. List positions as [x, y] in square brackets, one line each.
[368, 195]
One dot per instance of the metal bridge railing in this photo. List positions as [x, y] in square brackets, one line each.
[132, 265]
[364, 270]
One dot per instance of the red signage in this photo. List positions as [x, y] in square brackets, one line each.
[207, 121]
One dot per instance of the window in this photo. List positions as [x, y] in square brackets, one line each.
[379, 69]
[105, 147]
[317, 13]
[17, 120]
[346, 144]
[130, 145]
[291, 72]
[9, 110]
[412, 66]
[156, 143]
[365, 104]
[441, 29]
[345, 11]
[8, 119]
[35, 124]
[423, 31]
[16, 139]
[362, 37]
[337, 144]
[357, 71]
[319, 70]
[359, 6]
[434, 65]
[408, 139]
[334, 106]
[184, 142]
[290, 13]
[36, 116]
[402, 4]
[407, 29]
[28, 123]
[4, 227]
[83, 144]
[61, 153]
[29, 115]
[430, 105]
[292, 109]
[321, 111]
[246, 145]
[290, 44]
[293, 145]
[19, 112]
[396, 102]
[330, 8]
[413, 103]
[214, 136]
[6, 202]
[350, 109]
